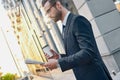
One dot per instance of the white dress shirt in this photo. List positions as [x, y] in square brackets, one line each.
[65, 18]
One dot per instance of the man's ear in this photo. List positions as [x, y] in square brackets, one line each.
[58, 5]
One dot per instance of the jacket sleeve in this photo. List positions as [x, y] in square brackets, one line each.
[82, 32]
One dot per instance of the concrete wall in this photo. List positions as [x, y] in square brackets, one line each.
[105, 20]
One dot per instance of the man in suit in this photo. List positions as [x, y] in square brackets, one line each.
[82, 54]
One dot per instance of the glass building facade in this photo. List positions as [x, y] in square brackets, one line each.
[34, 30]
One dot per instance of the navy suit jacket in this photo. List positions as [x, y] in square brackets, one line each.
[82, 54]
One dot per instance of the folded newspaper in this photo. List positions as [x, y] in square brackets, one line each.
[30, 61]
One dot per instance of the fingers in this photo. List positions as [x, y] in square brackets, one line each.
[55, 54]
[48, 66]
[47, 56]
[51, 64]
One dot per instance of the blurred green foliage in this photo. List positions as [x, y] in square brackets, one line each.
[8, 76]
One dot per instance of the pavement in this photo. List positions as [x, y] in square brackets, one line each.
[67, 75]
[56, 75]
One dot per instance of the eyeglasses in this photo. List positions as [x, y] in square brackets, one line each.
[48, 11]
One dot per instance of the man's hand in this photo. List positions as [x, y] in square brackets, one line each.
[55, 55]
[51, 64]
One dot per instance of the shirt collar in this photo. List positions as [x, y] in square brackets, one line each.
[65, 19]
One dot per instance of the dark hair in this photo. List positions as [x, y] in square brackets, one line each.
[51, 2]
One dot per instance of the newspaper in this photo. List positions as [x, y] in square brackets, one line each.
[30, 61]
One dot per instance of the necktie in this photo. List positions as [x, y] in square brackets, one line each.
[63, 31]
